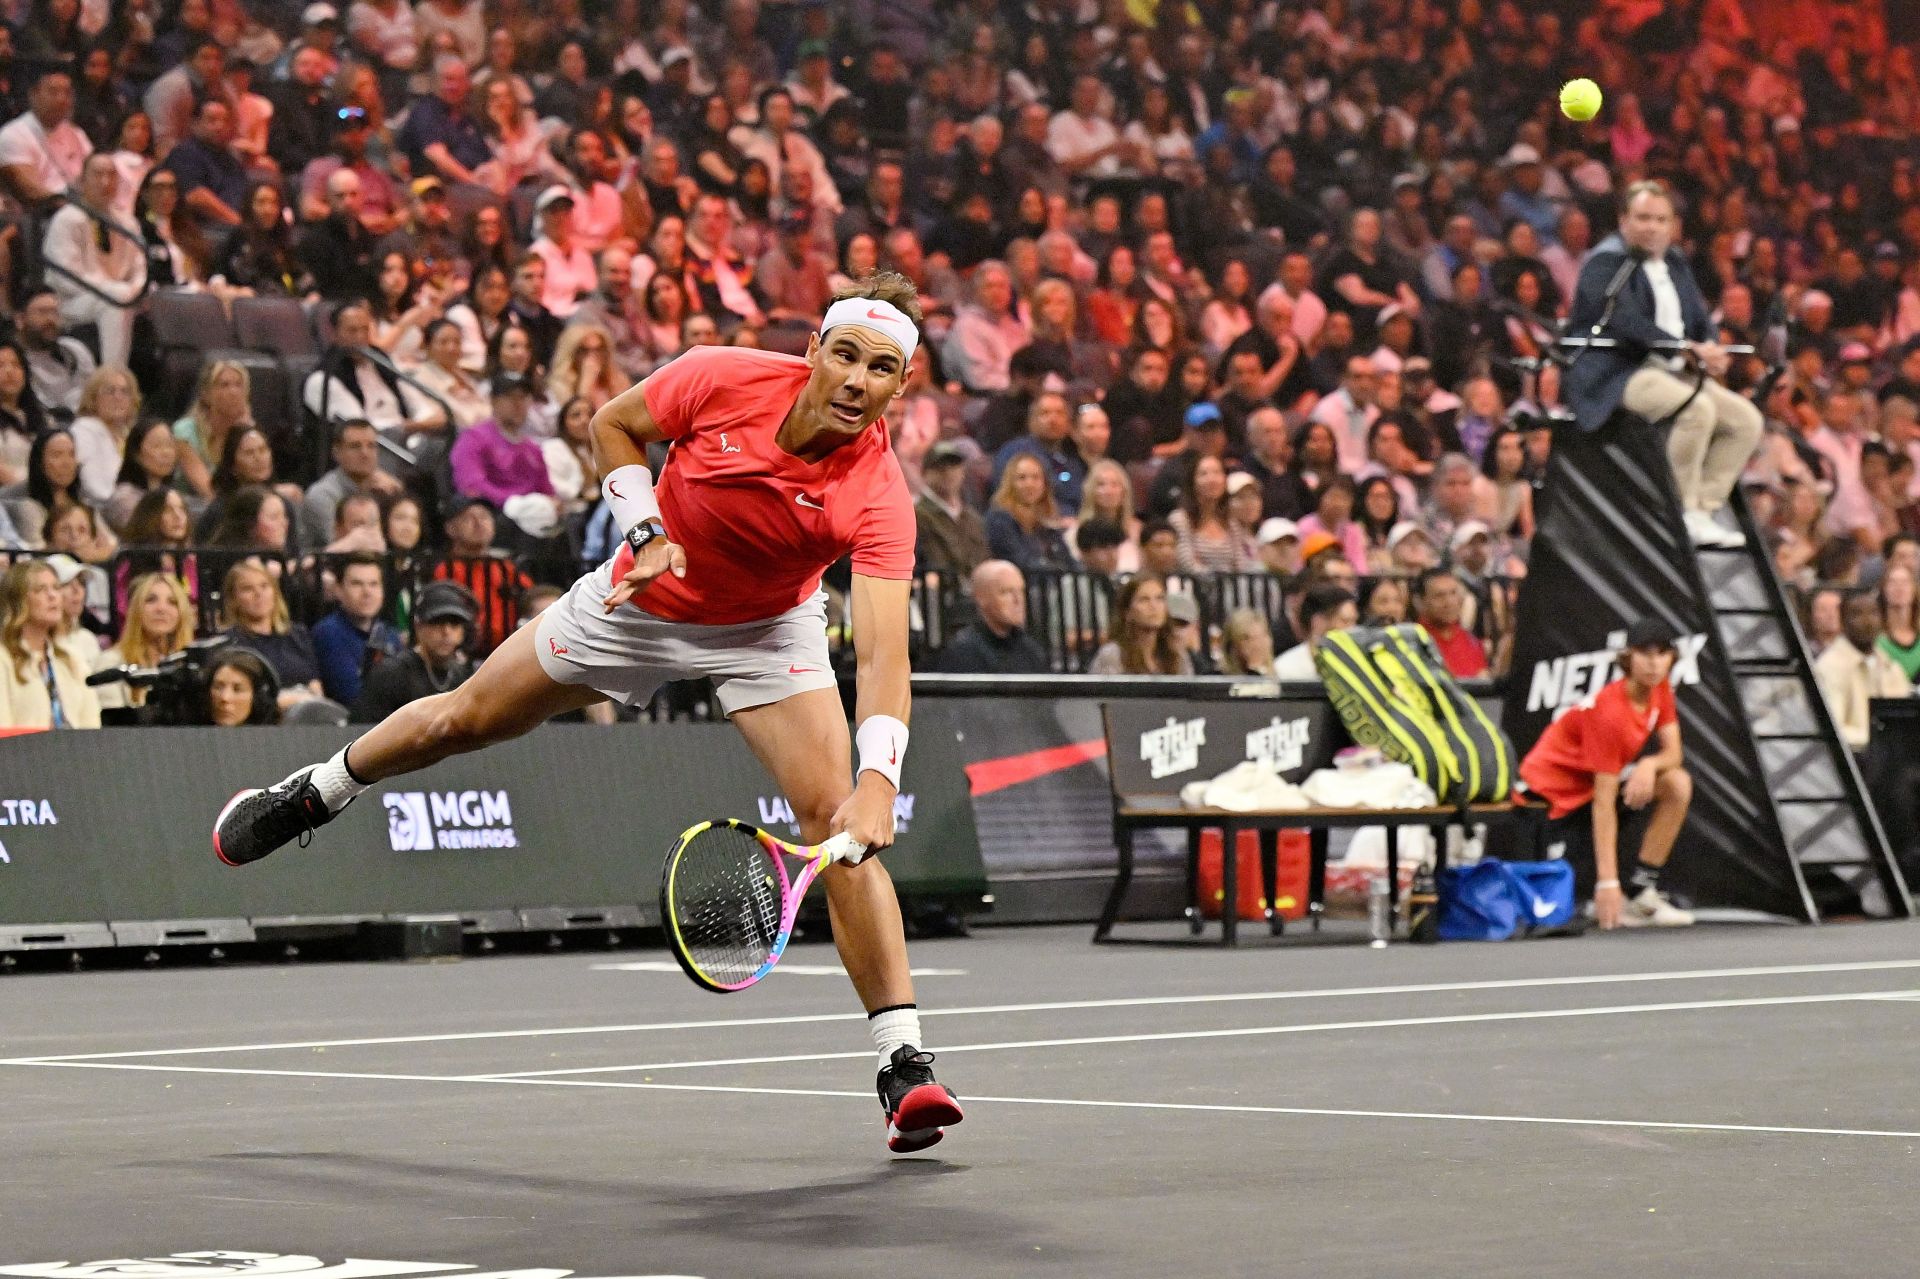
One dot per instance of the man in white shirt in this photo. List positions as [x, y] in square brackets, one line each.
[570, 272]
[1853, 671]
[777, 144]
[1654, 300]
[1296, 286]
[1351, 412]
[348, 385]
[42, 150]
[1323, 609]
[985, 334]
[1082, 139]
[113, 264]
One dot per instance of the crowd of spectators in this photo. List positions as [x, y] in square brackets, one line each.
[1247, 288]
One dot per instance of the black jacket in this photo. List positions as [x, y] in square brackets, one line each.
[1595, 381]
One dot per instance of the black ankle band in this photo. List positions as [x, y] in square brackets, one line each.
[891, 1008]
[348, 765]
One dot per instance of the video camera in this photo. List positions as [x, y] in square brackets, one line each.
[176, 686]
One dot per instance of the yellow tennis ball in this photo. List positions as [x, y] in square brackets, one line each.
[1580, 99]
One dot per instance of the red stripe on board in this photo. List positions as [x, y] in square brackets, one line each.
[990, 775]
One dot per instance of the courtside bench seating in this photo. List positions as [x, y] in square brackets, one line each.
[1301, 734]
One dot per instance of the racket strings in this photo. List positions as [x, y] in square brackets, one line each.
[727, 903]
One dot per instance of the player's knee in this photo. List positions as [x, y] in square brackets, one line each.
[459, 723]
[1675, 784]
[815, 813]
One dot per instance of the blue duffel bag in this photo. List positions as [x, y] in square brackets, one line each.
[1493, 900]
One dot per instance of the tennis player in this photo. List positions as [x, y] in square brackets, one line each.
[778, 466]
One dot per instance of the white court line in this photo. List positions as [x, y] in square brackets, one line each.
[1146, 1001]
[1454, 1019]
[867, 1098]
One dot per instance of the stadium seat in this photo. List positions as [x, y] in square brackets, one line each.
[187, 328]
[276, 325]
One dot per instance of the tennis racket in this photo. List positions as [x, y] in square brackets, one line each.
[729, 895]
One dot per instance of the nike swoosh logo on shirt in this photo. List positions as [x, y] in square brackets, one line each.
[801, 498]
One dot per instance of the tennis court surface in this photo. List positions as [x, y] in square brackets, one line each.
[1718, 1102]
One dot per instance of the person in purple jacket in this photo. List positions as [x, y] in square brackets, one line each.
[497, 459]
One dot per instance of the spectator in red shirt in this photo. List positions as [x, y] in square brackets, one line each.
[1591, 763]
[1439, 599]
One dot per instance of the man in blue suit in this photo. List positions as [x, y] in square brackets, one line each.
[1655, 299]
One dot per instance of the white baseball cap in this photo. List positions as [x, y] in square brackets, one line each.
[1467, 531]
[1275, 529]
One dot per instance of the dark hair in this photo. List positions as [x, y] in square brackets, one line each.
[1152, 528]
[39, 487]
[1321, 600]
[432, 331]
[340, 429]
[143, 525]
[886, 286]
[1430, 576]
[360, 559]
[224, 480]
[32, 415]
[266, 688]
[1158, 655]
[130, 472]
[1376, 531]
[238, 516]
[1098, 535]
[345, 305]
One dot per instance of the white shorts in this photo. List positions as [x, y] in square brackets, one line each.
[628, 654]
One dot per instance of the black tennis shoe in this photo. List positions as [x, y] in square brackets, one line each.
[918, 1107]
[255, 822]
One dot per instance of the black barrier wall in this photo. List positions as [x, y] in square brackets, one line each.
[114, 825]
[1610, 550]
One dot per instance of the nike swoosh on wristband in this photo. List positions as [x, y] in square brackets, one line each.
[615, 490]
[801, 498]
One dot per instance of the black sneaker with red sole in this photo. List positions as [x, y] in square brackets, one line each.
[255, 822]
[919, 1109]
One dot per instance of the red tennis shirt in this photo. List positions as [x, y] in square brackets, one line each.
[758, 524]
[1603, 734]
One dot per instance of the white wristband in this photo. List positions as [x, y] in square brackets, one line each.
[882, 740]
[629, 494]
[1606, 883]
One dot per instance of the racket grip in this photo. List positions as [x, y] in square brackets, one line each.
[844, 848]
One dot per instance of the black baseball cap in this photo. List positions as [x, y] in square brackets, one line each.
[507, 382]
[1650, 632]
[445, 602]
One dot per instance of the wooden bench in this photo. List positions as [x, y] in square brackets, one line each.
[1229, 726]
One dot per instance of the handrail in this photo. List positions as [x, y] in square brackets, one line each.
[112, 227]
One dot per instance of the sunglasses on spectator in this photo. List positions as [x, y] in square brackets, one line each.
[351, 115]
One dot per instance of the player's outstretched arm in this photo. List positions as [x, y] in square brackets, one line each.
[883, 696]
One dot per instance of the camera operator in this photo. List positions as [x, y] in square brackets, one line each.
[443, 616]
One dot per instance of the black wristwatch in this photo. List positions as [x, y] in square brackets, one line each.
[645, 532]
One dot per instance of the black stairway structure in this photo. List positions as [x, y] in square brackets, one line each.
[1780, 821]
[1832, 830]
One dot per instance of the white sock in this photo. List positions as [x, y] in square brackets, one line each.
[894, 1028]
[335, 784]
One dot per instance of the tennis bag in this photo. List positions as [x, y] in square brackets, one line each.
[1393, 691]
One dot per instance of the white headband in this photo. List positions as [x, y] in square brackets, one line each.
[883, 318]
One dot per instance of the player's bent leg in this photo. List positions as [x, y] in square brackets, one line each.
[802, 741]
[1647, 903]
[508, 696]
